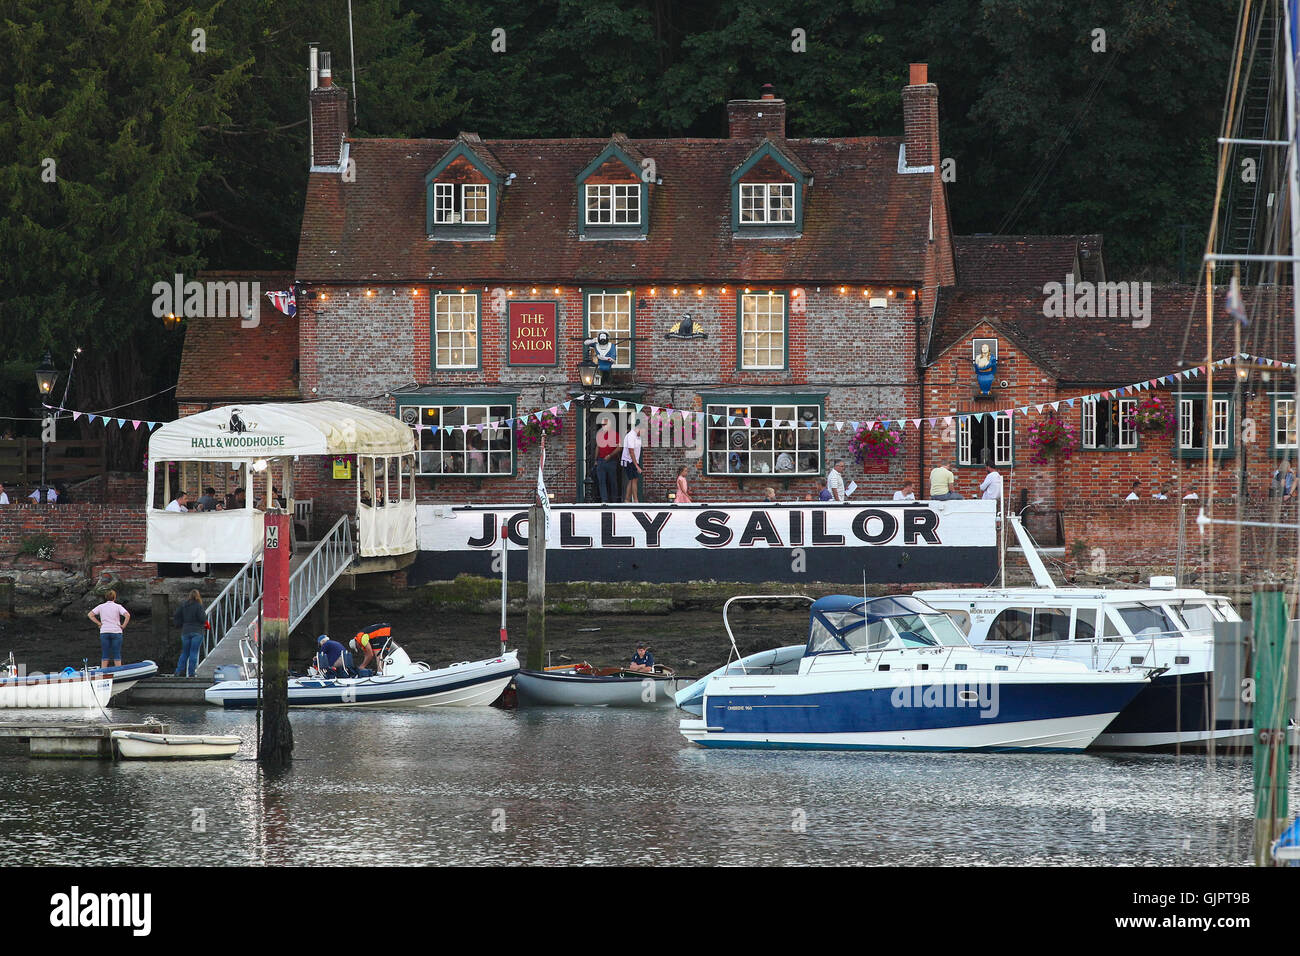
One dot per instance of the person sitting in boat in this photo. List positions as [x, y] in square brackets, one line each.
[332, 657]
[642, 661]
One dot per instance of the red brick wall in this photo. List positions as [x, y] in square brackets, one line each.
[359, 348]
[744, 122]
[1090, 473]
[103, 536]
[1110, 536]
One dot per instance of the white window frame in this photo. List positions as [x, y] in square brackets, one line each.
[1285, 431]
[603, 204]
[1126, 436]
[1002, 444]
[758, 202]
[774, 436]
[1215, 424]
[751, 300]
[442, 447]
[481, 193]
[598, 321]
[444, 203]
[456, 324]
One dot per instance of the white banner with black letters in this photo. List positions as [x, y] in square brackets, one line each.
[893, 524]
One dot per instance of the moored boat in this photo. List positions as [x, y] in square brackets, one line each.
[892, 673]
[126, 676]
[138, 746]
[67, 690]
[400, 683]
[779, 660]
[584, 685]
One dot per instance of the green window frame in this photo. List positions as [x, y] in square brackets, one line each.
[461, 453]
[456, 333]
[758, 344]
[587, 331]
[1217, 429]
[736, 449]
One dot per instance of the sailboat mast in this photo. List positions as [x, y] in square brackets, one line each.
[1293, 187]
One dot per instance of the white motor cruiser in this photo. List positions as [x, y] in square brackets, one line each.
[1105, 629]
[892, 673]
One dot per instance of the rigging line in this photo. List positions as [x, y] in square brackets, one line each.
[137, 401]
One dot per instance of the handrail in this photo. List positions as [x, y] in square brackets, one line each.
[321, 568]
[240, 593]
[752, 597]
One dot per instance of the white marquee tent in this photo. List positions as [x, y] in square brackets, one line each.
[251, 448]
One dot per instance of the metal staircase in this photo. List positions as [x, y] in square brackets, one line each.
[236, 608]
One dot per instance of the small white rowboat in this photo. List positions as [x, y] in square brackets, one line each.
[582, 685]
[134, 746]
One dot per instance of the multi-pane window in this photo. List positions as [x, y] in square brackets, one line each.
[764, 439]
[1105, 423]
[1284, 423]
[764, 203]
[762, 330]
[617, 204]
[474, 204]
[1194, 431]
[472, 208]
[446, 447]
[612, 312]
[455, 324]
[984, 441]
[444, 204]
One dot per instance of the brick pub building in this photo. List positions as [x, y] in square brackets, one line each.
[453, 283]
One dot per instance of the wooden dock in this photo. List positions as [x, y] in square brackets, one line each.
[54, 739]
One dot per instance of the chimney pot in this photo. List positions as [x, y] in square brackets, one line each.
[768, 92]
[917, 73]
[326, 77]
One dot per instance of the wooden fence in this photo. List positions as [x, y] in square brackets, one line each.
[20, 461]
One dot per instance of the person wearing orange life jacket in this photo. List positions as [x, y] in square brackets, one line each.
[370, 643]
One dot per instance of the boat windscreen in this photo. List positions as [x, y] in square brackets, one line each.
[1148, 620]
[1199, 616]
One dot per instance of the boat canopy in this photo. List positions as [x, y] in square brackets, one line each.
[842, 622]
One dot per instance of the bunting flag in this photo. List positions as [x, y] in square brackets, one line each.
[701, 418]
[284, 302]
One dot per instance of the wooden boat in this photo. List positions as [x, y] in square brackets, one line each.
[579, 685]
[137, 746]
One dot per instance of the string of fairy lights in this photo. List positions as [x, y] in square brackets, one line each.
[704, 418]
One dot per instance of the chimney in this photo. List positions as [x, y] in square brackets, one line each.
[921, 117]
[329, 117]
[757, 119]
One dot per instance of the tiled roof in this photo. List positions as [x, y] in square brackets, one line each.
[864, 222]
[223, 361]
[1096, 351]
[999, 262]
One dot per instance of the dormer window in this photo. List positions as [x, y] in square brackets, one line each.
[766, 203]
[463, 191]
[768, 191]
[614, 193]
[471, 209]
[617, 204]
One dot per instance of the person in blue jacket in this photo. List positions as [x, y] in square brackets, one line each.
[642, 660]
[330, 656]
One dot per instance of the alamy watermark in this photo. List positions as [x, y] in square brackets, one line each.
[210, 299]
[665, 430]
[1098, 300]
[977, 695]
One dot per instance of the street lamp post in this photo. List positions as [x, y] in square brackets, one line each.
[46, 376]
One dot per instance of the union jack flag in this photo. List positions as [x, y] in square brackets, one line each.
[284, 301]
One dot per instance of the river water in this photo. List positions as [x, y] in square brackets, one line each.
[603, 786]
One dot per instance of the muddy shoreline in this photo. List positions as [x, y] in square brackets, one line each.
[692, 642]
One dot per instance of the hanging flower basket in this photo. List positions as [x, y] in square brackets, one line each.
[530, 432]
[1152, 416]
[876, 444]
[1052, 438]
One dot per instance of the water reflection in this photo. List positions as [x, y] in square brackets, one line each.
[480, 786]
